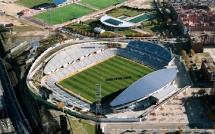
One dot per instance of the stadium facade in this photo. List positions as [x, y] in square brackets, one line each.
[112, 23]
[75, 58]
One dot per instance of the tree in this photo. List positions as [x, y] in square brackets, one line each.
[178, 40]
[163, 9]
[192, 52]
[161, 37]
[197, 59]
[163, 33]
[192, 93]
[133, 35]
[169, 21]
[100, 35]
[171, 34]
[93, 34]
[85, 33]
[183, 53]
[165, 1]
[88, 33]
[201, 92]
[110, 35]
[166, 38]
[154, 22]
[179, 129]
[187, 63]
[211, 91]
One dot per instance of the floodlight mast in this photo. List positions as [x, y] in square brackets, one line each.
[98, 99]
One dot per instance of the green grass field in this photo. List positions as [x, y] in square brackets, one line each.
[63, 14]
[32, 3]
[81, 126]
[124, 11]
[100, 4]
[84, 82]
[141, 18]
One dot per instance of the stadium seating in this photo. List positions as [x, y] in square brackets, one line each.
[70, 54]
[141, 58]
[151, 49]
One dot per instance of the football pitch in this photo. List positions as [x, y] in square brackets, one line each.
[114, 74]
[100, 4]
[63, 14]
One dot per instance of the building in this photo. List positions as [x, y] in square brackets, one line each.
[197, 20]
[150, 89]
[200, 39]
[75, 58]
[208, 69]
[194, 16]
[98, 30]
[112, 23]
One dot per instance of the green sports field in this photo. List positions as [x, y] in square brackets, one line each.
[63, 14]
[113, 74]
[100, 4]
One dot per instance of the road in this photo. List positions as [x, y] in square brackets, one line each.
[13, 108]
[118, 128]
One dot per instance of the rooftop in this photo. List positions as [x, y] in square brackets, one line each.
[209, 64]
[145, 86]
[115, 22]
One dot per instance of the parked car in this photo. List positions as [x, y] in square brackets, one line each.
[2, 12]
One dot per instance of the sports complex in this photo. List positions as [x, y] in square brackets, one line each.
[119, 23]
[131, 77]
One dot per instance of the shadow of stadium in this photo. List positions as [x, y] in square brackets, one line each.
[196, 114]
[105, 102]
[107, 99]
[43, 5]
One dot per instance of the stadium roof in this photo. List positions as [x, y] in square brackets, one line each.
[164, 92]
[145, 86]
[114, 22]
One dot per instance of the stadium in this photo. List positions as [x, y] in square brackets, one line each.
[146, 86]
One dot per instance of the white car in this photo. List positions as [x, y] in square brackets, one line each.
[2, 12]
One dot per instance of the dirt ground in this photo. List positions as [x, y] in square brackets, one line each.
[10, 7]
[141, 4]
[20, 26]
[23, 30]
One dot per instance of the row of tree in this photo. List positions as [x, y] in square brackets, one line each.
[187, 58]
[107, 34]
